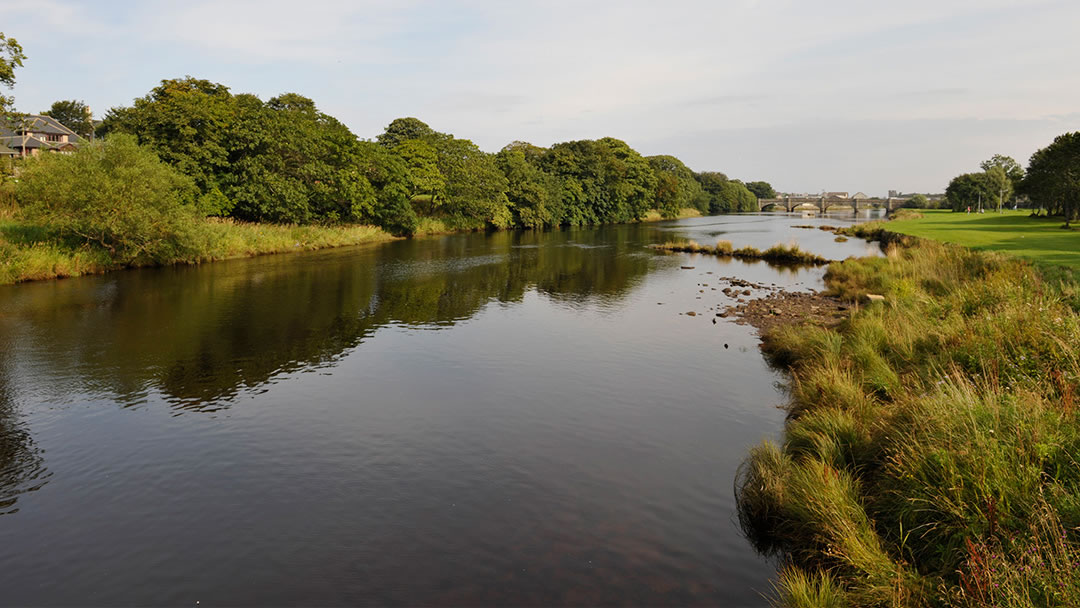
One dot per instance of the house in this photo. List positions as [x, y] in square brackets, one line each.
[835, 195]
[34, 133]
[859, 196]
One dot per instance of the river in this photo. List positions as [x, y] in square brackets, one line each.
[516, 418]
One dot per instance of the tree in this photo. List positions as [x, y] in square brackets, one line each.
[403, 129]
[114, 194]
[186, 122]
[761, 189]
[736, 197]
[426, 182]
[532, 193]
[1012, 169]
[1053, 177]
[712, 184]
[11, 57]
[918, 201]
[475, 187]
[74, 115]
[965, 191]
[676, 187]
[996, 186]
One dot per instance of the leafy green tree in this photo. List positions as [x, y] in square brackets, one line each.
[533, 194]
[761, 189]
[736, 197]
[114, 194]
[966, 190]
[475, 187]
[186, 122]
[1008, 164]
[74, 115]
[421, 160]
[11, 57]
[997, 187]
[1053, 177]
[676, 187]
[918, 201]
[404, 129]
[712, 184]
[390, 182]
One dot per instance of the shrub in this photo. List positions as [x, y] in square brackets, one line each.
[113, 194]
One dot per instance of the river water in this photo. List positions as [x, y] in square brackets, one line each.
[503, 419]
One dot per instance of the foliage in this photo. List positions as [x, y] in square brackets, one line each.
[966, 191]
[918, 201]
[998, 187]
[114, 194]
[1053, 177]
[285, 161]
[761, 189]
[1008, 164]
[676, 187]
[11, 57]
[74, 115]
[929, 458]
[532, 193]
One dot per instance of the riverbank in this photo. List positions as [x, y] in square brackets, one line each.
[929, 457]
[32, 253]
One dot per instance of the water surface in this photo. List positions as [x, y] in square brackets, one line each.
[515, 418]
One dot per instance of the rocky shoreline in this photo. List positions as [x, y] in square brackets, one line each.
[777, 307]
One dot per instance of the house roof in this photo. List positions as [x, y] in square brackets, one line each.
[6, 151]
[36, 123]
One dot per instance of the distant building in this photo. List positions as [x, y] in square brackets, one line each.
[35, 134]
[859, 196]
[836, 195]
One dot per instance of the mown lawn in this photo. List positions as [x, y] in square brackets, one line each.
[1014, 232]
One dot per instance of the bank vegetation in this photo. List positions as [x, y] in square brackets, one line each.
[930, 453]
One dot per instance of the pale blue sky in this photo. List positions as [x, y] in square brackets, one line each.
[838, 95]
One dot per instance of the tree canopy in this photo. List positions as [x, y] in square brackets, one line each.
[1053, 177]
[285, 161]
[11, 57]
[761, 189]
[74, 115]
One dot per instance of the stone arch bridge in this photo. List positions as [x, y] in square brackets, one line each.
[823, 204]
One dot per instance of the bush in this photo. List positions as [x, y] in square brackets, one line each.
[116, 195]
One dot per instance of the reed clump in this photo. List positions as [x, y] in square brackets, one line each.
[930, 454]
[778, 254]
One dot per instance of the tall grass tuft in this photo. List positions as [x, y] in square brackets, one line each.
[932, 450]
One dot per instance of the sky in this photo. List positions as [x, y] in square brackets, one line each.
[809, 95]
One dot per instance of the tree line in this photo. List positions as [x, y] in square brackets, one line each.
[283, 160]
[1051, 181]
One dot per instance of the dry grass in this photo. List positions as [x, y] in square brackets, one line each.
[778, 254]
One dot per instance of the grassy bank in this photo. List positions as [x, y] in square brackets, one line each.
[653, 215]
[30, 253]
[931, 453]
[780, 254]
[1040, 239]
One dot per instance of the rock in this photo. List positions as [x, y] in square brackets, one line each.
[725, 344]
[746, 292]
[775, 311]
[873, 297]
[714, 321]
[687, 267]
[691, 314]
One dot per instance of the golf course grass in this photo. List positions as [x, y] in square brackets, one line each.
[1042, 240]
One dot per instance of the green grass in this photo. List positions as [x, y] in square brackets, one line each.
[32, 253]
[1014, 232]
[932, 451]
[653, 215]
